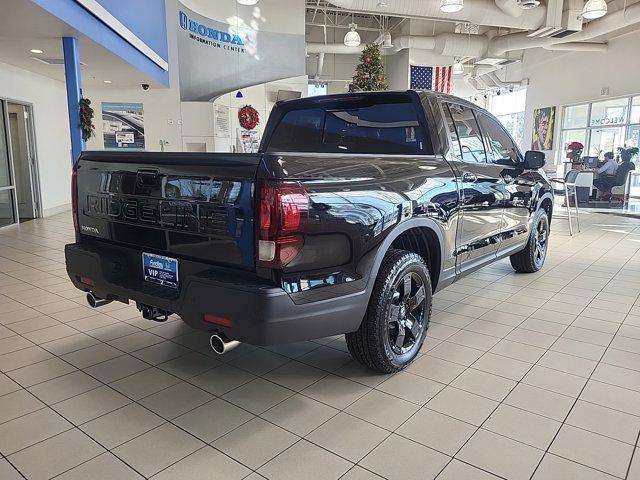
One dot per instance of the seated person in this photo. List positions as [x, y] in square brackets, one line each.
[606, 175]
[625, 167]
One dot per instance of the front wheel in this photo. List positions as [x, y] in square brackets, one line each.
[396, 322]
[532, 258]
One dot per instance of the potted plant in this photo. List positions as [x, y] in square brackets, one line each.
[627, 154]
[574, 153]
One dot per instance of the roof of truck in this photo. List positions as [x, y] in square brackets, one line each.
[337, 97]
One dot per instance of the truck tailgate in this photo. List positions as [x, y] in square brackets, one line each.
[182, 205]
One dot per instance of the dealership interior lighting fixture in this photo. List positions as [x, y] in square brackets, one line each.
[107, 81]
[352, 37]
[528, 4]
[594, 9]
[36, 50]
[451, 6]
[247, 2]
[458, 67]
[386, 40]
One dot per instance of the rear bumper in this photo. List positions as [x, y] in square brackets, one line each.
[261, 313]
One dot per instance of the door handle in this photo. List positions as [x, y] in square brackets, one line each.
[508, 179]
[469, 177]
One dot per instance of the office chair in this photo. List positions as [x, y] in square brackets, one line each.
[622, 175]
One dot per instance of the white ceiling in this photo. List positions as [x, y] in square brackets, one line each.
[24, 26]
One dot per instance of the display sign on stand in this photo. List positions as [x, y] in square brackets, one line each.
[248, 141]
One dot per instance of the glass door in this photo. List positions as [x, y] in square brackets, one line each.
[7, 188]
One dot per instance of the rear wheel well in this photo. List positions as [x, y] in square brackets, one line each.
[424, 242]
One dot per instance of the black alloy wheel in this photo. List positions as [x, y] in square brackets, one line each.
[406, 314]
[531, 258]
[397, 319]
[541, 237]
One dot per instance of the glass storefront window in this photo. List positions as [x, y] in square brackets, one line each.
[576, 116]
[605, 140]
[609, 112]
[514, 123]
[604, 126]
[634, 184]
[635, 110]
[569, 136]
[633, 136]
[509, 108]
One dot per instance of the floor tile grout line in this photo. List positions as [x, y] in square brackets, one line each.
[633, 455]
[575, 402]
[97, 442]
[134, 401]
[2, 456]
[501, 402]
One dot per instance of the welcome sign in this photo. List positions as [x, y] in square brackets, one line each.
[217, 57]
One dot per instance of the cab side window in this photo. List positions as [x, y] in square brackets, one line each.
[451, 129]
[471, 146]
[500, 148]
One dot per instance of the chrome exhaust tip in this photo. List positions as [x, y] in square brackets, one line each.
[95, 302]
[221, 344]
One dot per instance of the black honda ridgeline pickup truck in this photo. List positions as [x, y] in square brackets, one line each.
[356, 210]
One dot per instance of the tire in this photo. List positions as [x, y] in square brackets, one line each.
[397, 318]
[532, 257]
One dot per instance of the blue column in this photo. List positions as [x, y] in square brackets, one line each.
[74, 93]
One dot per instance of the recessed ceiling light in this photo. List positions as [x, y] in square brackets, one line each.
[36, 50]
[106, 81]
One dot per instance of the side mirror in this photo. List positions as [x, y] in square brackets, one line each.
[533, 160]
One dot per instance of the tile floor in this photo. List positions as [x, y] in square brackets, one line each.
[522, 376]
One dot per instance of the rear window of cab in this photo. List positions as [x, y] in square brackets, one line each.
[384, 128]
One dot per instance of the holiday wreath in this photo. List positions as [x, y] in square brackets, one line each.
[249, 117]
[86, 119]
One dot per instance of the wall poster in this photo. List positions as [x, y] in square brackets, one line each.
[221, 121]
[123, 126]
[544, 120]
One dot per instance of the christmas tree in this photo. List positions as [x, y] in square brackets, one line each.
[369, 75]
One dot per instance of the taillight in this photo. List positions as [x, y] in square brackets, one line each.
[283, 211]
[74, 198]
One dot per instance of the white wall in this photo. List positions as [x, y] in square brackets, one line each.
[561, 78]
[397, 70]
[179, 123]
[262, 98]
[48, 98]
[161, 115]
[169, 120]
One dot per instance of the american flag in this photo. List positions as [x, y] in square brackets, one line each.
[437, 79]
